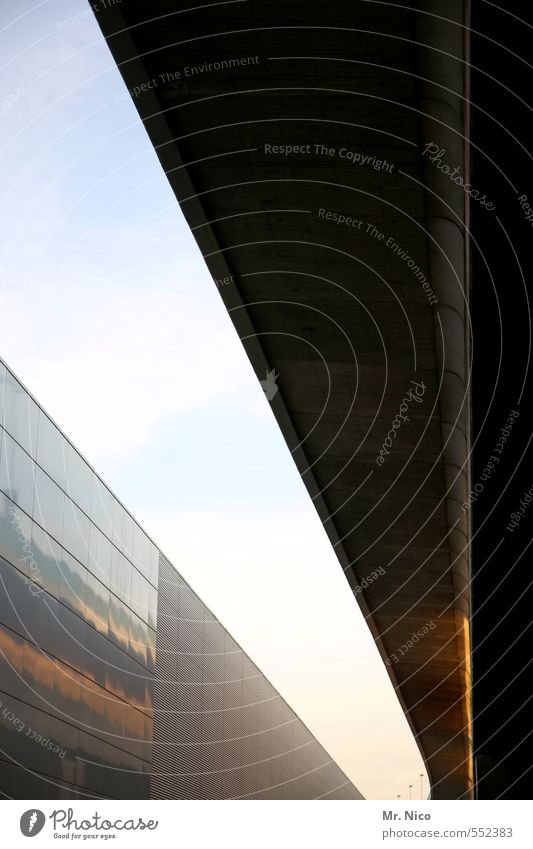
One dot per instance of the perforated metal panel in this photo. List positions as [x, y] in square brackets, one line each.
[221, 730]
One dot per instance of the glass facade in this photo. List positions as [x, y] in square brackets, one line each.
[78, 599]
[115, 680]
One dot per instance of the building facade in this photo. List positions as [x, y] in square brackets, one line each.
[116, 681]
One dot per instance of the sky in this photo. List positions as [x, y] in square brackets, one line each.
[111, 319]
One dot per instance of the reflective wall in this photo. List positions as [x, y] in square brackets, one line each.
[108, 690]
[78, 601]
[221, 730]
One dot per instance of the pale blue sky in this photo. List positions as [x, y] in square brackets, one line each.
[110, 318]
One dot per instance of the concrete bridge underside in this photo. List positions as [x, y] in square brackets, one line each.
[348, 314]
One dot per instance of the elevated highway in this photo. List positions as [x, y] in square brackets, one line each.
[317, 152]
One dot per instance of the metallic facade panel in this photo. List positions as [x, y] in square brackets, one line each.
[116, 681]
[76, 683]
[221, 730]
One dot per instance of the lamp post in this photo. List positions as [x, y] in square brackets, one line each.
[421, 785]
[410, 791]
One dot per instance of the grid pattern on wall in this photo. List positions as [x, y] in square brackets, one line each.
[221, 730]
[116, 681]
[78, 602]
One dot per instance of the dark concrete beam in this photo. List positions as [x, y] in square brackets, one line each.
[348, 315]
